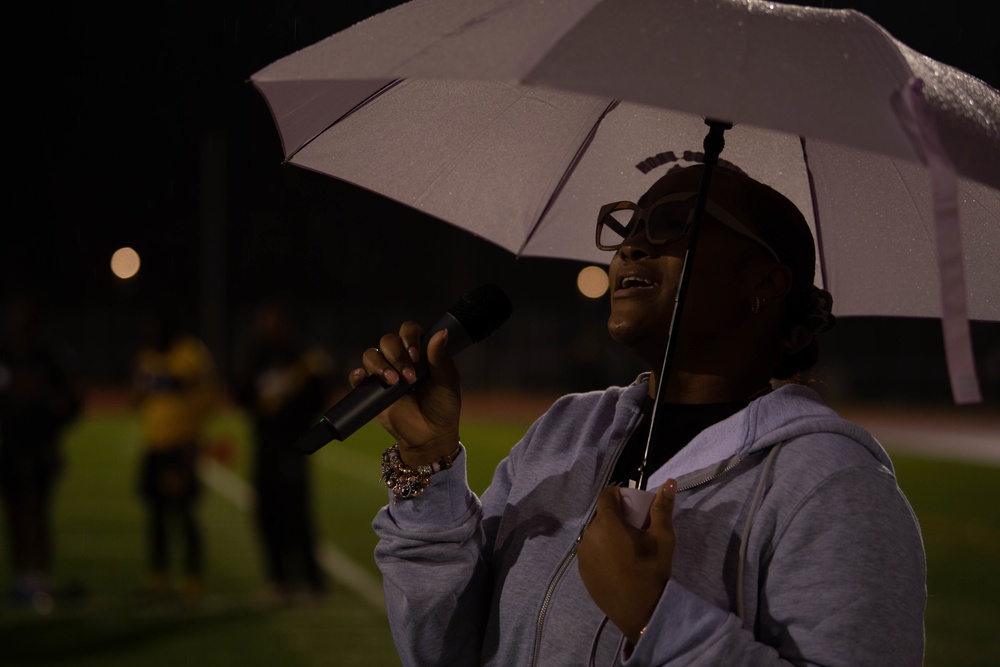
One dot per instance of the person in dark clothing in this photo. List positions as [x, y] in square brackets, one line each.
[38, 401]
[283, 381]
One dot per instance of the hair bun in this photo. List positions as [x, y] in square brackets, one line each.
[814, 317]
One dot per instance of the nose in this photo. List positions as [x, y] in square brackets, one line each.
[632, 248]
[637, 243]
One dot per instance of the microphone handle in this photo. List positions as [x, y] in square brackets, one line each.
[365, 402]
[374, 395]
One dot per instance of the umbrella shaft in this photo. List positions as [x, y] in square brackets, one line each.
[714, 143]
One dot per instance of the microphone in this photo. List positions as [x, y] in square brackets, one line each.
[474, 316]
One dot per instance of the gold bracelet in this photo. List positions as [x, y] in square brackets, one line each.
[406, 482]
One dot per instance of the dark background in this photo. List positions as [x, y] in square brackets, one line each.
[137, 126]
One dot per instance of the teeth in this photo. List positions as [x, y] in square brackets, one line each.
[635, 281]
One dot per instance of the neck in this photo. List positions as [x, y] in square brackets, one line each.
[690, 388]
[731, 372]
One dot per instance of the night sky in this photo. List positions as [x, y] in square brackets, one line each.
[124, 120]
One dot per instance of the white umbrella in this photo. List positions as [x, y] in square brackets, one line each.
[517, 120]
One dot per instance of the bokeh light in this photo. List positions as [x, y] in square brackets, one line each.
[592, 281]
[125, 263]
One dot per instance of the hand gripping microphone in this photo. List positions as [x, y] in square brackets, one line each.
[474, 317]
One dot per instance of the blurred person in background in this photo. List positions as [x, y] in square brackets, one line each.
[283, 379]
[175, 389]
[38, 401]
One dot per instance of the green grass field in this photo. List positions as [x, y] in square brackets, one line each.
[98, 527]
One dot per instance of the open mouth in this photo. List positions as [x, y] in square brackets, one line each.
[635, 282]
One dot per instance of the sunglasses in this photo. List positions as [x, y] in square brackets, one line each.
[666, 220]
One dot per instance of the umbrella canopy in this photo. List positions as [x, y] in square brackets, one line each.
[518, 120]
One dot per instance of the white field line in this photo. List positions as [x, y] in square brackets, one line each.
[351, 463]
[226, 484]
[969, 447]
[336, 563]
[352, 575]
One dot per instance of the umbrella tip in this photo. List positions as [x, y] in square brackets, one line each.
[714, 141]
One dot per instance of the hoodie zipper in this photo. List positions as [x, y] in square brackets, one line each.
[733, 462]
[550, 591]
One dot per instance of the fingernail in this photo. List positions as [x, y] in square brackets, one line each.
[390, 376]
[409, 374]
[413, 352]
[667, 490]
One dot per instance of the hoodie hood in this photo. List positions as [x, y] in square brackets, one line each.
[785, 413]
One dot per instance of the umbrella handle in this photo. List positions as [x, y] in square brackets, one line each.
[713, 143]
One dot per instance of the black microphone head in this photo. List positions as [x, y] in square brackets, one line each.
[482, 311]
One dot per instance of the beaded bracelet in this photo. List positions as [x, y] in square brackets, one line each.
[406, 482]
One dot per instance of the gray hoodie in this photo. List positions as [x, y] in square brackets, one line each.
[794, 545]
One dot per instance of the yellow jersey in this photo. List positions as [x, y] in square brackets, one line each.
[177, 388]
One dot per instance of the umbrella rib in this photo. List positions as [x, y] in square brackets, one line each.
[928, 231]
[570, 168]
[357, 107]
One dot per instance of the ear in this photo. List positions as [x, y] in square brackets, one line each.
[770, 281]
